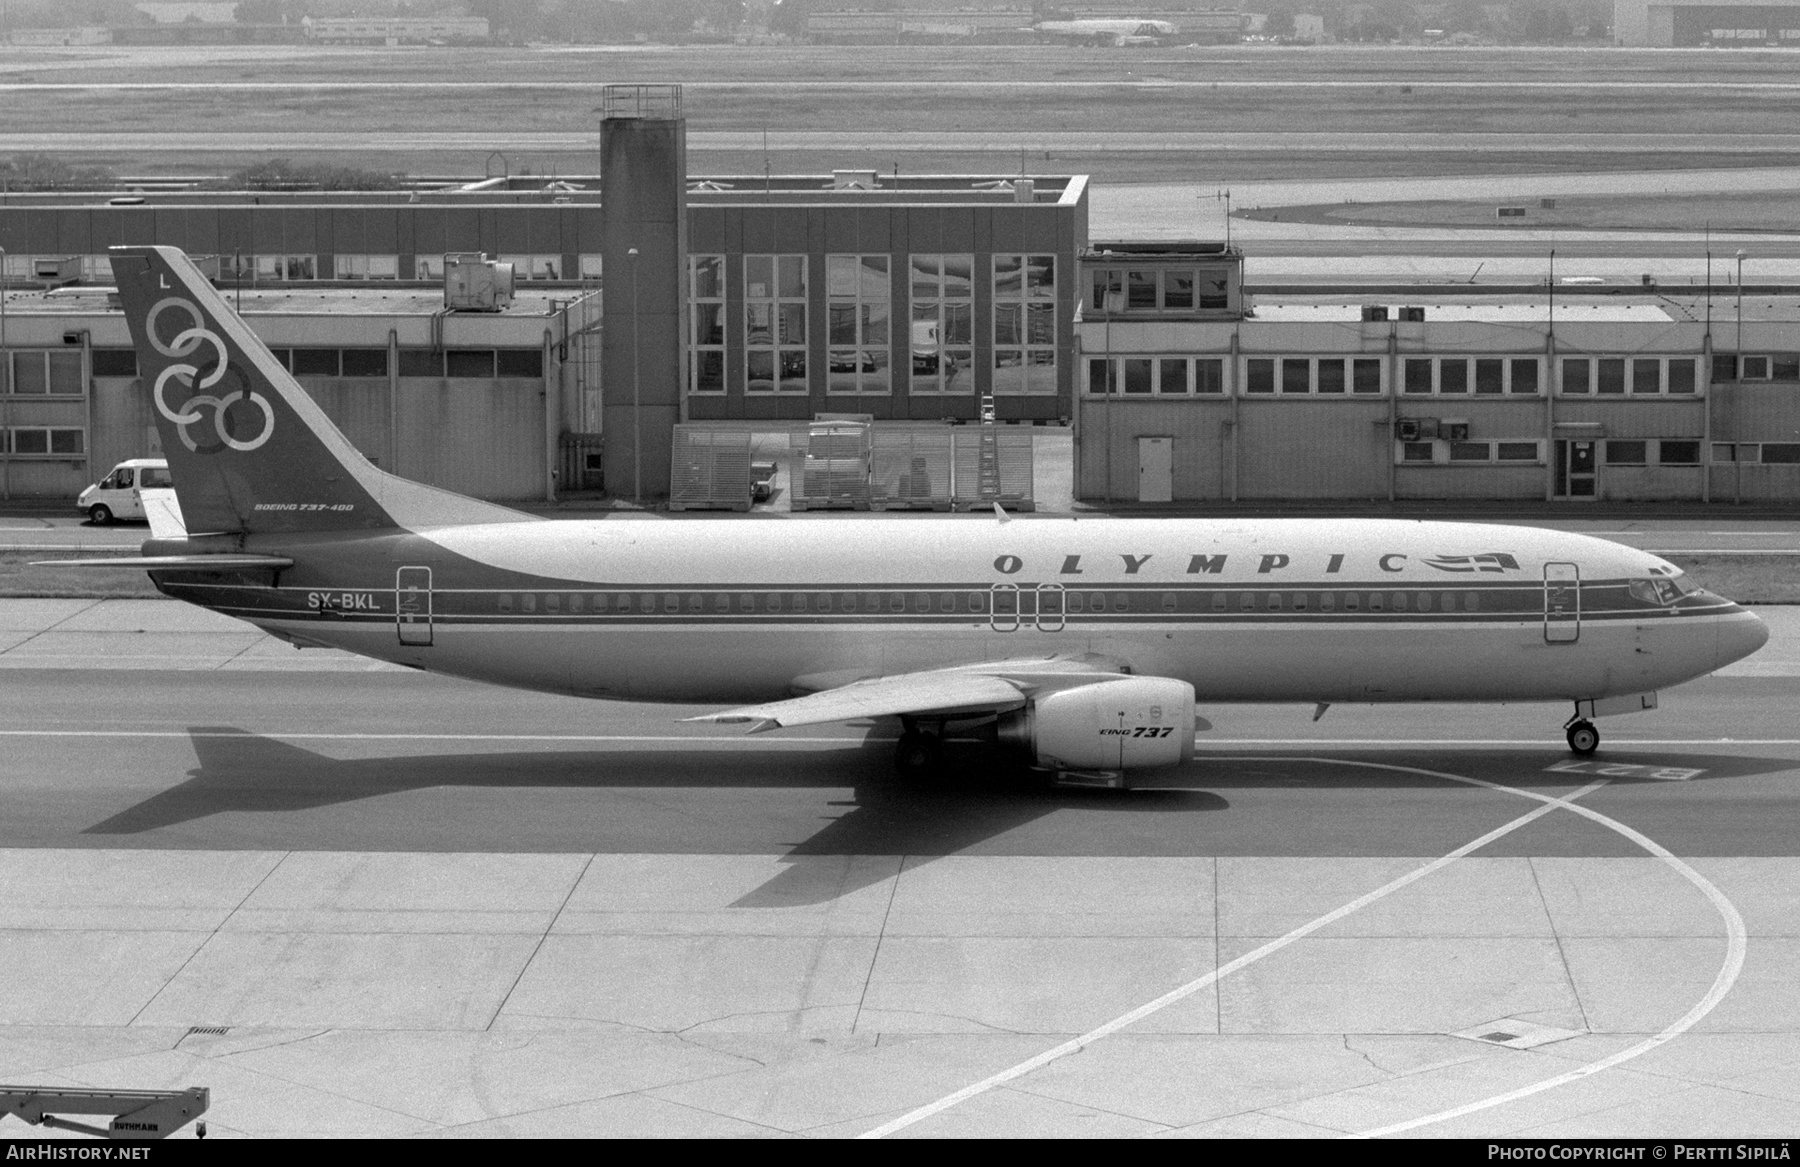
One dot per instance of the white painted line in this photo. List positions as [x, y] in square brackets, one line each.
[1736, 942]
[1075, 1045]
[1512, 743]
[1624, 770]
[764, 740]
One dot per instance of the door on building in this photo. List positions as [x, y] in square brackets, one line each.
[1576, 468]
[1156, 469]
[1562, 603]
[412, 604]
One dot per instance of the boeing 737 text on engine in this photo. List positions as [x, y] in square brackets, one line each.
[1083, 645]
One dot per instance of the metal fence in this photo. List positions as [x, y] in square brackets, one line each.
[710, 469]
[833, 466]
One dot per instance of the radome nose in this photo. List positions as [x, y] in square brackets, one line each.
[1740, 634]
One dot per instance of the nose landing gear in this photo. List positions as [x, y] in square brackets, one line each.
[1584, 739]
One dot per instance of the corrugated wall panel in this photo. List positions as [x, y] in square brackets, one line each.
[1756, 413]
[1201, 466]
[1313, 449]
[479, 438]
[1649, 483]
[121, 424]
[359, 407]
[1519, 482]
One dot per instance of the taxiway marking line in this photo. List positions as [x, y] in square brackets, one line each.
[1736, 942]
[1075, 1045]
[763, 740]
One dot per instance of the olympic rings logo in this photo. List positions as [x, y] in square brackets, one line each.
[187, 342]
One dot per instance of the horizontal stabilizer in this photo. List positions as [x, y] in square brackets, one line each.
[189, 562]
[164, 513]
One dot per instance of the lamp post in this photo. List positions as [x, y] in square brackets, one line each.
[6, 372]
[637, 417]
[1737, 450]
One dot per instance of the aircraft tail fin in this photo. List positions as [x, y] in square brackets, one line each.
[250, 452]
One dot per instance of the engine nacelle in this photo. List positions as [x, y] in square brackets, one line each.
[1135, 723]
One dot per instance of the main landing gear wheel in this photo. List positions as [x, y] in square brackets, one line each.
[1584, 739]
[919, 755]
[100, 514]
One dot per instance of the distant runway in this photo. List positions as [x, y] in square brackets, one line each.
[915, 141]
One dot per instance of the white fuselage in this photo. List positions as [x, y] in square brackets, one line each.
[1243, 609]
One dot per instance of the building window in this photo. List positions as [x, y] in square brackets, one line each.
[1464, 452]
[858, 299]
[1159, 376]
[775, 323]
[56, 372]
[1678, 452]
[1158, 289]
[428, 267]
[535, 267]
[1305, 375]
[368, 267]
[315, 362]
[943, 311]
[706, 323]
[114, 362]
[421, 362]
[365, 362]
[508, 362]
[1480, 376]
[1637, 376]
[1626, 453]
[466, 362]
[46, 441]
[1024, 323]
[286, 267]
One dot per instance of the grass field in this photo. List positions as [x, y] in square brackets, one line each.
[19, 578]
[1737, 213]
[1253, 90]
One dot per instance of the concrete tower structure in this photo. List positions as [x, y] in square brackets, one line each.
[643, 183]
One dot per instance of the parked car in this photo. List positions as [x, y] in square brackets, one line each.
[117, 495]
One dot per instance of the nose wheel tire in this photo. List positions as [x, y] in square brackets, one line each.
[918, 755]
[101, 515]
[1584, 739]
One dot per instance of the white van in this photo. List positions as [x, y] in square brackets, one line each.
[118, 495]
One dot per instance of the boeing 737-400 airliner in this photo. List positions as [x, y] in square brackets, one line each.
[1083, 645]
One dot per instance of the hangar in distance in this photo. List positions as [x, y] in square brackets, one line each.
[1087, 645]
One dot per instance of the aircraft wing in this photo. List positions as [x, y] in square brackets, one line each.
[991, 687]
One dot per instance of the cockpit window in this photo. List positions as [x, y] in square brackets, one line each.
[1660, 590]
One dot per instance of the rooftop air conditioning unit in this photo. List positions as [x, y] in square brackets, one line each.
[1371, 313]
[54, 271]
[1455, 431]
[1412, 313]
[475, 283]
[1406, 429]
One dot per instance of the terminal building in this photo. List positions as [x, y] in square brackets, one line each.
[1453, 396]
[1697, 23]
[887, 341]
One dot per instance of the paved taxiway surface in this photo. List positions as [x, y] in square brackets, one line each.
[417, 906]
